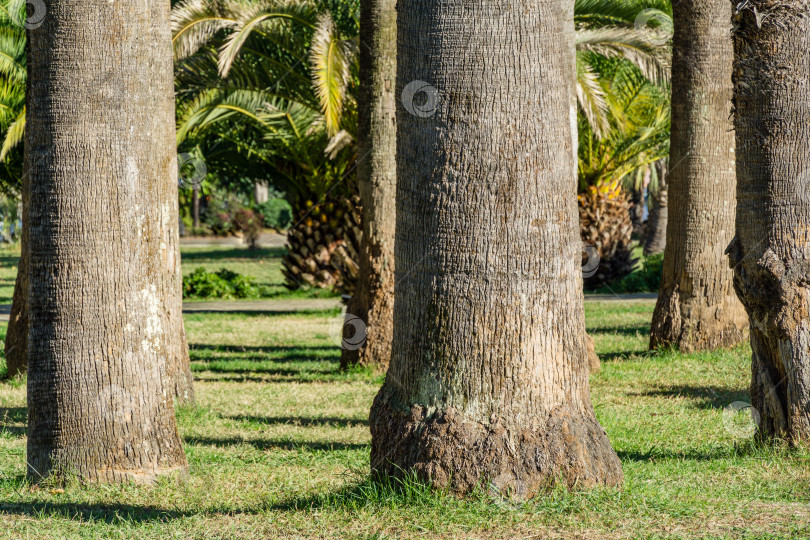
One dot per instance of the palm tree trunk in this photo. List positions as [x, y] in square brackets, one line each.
[489, 369]
[373, 300]
[770, 253]
[697, 308]
[174, 331]
[656, 240]
[195, 207]
[16, 344]
[100, 145]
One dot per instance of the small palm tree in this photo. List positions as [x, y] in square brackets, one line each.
[12, 95]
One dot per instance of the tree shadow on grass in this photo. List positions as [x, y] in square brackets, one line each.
[13, 415]
[278, 359]
[216, 255]
[277, 444]
[655, 454]
[268, 375]
[622, 355]
[93, 512]
[703, 397]
[260, 349]
[302, 421]
[632, 330]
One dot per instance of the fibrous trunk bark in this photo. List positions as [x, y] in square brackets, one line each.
[697, 308]
[770, 253]
[100, 144]
[373, 300]
[16, 344]
[488, 381]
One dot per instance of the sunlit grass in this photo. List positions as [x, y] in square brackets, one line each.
[278, 445]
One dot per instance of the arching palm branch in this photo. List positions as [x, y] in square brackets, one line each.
[12, 94]
[632, 30]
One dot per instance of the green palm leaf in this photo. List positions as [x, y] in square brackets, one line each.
[330, 58]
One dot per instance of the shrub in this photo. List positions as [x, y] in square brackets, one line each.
[646, 278]
[220, 284]
[275, 213]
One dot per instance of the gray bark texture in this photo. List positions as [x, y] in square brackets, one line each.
[100, 143]
[697, 308]
[488, 382]
[770, 253]
[373, 300]
[16, 344]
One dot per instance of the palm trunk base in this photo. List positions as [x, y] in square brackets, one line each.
[696, 328]
[777, 305]
[55, 471]
[452, 452]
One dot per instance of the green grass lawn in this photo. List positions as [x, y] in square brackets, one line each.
[278, 445]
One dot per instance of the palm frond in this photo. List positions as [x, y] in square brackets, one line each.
[330, 58]
[591, 99]
[14, 135]
[194, 23]
[267, 18]
[630, 44]
[615, 13]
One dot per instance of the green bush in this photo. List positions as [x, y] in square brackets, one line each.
[276, 213]
[220, 284]
[645, 279]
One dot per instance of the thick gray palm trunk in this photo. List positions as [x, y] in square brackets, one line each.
[373, 301]
[771, 251]
[489, 373]
[16, 344]
[100, 143]
[697, 308]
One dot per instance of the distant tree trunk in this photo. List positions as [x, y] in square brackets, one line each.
[373, 300]
[770, 253]
[16, 345]
[261, 192]
[178, 361]
[489, 373]
[101, 153]
[195, 207]
[570, 33]
[697, 308]
[656, 240]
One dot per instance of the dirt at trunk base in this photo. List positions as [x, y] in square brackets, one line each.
[450, 451]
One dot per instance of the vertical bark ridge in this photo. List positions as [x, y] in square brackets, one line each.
[373, 301]
[697, 308]
[488, 380]
[99, 389]
[770, 253]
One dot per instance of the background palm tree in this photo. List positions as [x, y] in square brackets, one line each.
[13, 75]
[269, 89]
